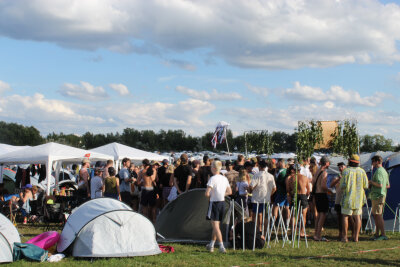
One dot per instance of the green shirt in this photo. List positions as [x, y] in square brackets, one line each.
[381, 177]
[280, 182]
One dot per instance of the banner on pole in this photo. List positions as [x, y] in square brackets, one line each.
[328, 128]
[220, 133]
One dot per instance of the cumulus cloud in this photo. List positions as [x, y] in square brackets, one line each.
[256, 34]
[83, 91]
[182, 64]
[286, 119]
[50, 115]
[39, 109]
[204, 95]
[258, 90]
[120, 88]
[335, 94]
[4, 87]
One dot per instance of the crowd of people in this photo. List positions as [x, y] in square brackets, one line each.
[252, 183]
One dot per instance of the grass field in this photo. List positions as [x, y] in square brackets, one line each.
[340, 254]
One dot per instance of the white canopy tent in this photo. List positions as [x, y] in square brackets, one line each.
[120, 151]
[49, 154]
[4, 149]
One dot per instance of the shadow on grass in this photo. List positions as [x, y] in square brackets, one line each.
[320, 260]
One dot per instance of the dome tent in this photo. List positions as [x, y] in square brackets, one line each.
[8, 235]
[106, 227]
[120, 233]
[184, 219]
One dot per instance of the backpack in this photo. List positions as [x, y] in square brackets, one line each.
[29, 252]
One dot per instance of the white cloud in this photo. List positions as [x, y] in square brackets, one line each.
[39, 109]
[83, 91]
[258, 90]
[182, 64]
[120, 88]
[204, 95]
[50, 115]
[286, 119]
[335, 94]
[4, 87]
[257, 34]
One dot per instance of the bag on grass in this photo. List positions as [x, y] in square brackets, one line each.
[29, 252]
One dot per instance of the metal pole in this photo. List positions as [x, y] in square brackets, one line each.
[245, 143]
[255, 228]
[227, 146]
[263, 218]
[233, 224]
[242, 224]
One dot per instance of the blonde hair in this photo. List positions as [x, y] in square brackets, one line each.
[217, 165]
[242, 175]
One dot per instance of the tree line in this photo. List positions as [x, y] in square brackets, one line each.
[174, 140]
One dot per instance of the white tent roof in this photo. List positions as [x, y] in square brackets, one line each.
[120, 151]
[8, 235]
[83, 215]
[49, 153]
[41, 154]
[120, 233]
[4, 148]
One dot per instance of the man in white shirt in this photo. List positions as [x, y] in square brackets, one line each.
[96, 184]
[217, 188]
[262, 187]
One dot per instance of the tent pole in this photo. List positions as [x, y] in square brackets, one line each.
[1, 173]
[48, 175]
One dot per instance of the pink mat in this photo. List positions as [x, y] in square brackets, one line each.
[45, 240]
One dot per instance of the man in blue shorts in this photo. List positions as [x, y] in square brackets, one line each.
[217, 188]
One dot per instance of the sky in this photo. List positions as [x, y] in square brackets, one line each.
[103, 66]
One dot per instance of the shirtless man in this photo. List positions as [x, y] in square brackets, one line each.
[303, 190]
[320, 189]
[148, 196]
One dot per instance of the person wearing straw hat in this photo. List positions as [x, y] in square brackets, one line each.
[353, 183]
[379, 185]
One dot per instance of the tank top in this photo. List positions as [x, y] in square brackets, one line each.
[111, 185]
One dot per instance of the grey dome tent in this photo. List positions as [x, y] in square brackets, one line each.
[106, 227]
[8, 235]
[121, 233]
[184, 219]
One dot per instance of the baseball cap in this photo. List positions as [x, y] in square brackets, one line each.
[28, 186]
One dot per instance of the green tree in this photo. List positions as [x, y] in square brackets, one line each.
[19, 135]
[373, 143]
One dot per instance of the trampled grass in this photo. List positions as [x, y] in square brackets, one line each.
[364, 253]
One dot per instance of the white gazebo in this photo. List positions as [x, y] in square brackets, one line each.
[119, 151]
[50, 154]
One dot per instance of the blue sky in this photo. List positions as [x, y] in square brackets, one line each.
[102, 66]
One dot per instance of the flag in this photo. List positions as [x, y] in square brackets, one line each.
[220, 134]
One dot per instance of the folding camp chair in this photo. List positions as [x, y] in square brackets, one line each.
[52, 213]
